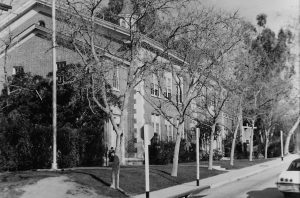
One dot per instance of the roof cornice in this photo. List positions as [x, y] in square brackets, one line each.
[45, 31]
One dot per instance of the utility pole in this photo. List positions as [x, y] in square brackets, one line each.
[54, 117]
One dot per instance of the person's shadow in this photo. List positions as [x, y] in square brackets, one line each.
[268, 192]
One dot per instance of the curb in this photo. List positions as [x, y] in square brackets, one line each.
[187, 193]
[191, 192]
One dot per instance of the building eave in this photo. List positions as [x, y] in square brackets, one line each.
[38, 30]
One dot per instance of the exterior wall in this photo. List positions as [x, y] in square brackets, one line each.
[34, 53]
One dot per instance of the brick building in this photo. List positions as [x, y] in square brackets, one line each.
[27, 31]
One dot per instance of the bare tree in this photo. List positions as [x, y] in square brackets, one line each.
[290, 133]
[104, 51]
[204, 42]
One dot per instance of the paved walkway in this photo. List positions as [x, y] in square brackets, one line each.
[57, 187]
[219, 180]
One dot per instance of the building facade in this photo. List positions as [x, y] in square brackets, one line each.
[27, 31]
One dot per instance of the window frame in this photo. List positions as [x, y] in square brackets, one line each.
[154, 87]
[179, 90]
[168, 85]
[60, 75]
[116, 81]
[169, 130]
[155, 120]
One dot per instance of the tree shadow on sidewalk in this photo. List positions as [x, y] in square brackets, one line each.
[268, 192]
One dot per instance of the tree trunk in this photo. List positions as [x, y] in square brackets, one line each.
[211, 150]
[242, 132]
[233, 144]
[288, 138]
[251, 142]
[122, 149]
[176, 151]
[267, 143]
[297, 137]
[240, 115]
[115, 173]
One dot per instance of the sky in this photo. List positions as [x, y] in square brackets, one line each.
[280, 13]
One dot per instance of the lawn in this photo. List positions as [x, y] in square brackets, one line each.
[132, 178]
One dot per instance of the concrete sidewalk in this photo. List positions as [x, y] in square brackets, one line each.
[219, 180]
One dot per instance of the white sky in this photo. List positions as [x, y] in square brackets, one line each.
[280, 13]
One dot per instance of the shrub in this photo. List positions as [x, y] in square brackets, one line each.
[23, 146]
[91, 146]
[15, 147]
[162, 152]
[41, 151]
[217, 155]
[67, 145]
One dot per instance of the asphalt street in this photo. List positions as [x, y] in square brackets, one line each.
[261, 185]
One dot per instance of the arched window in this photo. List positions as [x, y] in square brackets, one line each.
[42, 23]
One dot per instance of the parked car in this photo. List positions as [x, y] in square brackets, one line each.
[288, 181]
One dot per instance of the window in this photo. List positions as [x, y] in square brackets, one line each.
[169, 130]
[123, 23]
[42, 23]
[18, 70]
[155, 119]
[179, 90]
[60, 79]
[168, 85]
[154, 86]
[295, 166]
[116, 79]
[61, 66]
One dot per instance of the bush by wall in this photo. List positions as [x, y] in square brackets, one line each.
[91, 146]
[162, 152]
[23, 146]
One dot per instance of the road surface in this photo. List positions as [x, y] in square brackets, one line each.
[261, 185]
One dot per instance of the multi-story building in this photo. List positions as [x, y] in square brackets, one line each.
[26, 35]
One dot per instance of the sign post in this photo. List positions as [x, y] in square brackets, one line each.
[146, 143]
[197, 156]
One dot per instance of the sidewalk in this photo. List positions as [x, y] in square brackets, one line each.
[219, 180]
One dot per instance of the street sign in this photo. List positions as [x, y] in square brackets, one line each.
[147, 128]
